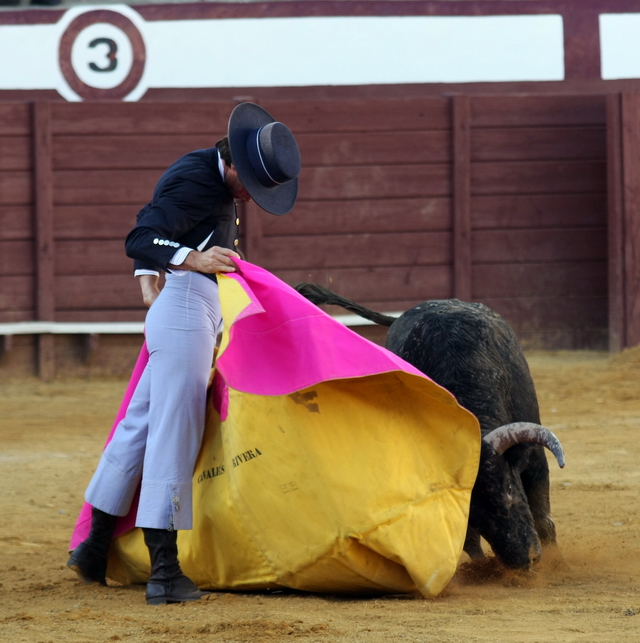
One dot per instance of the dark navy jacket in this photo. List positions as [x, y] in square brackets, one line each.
[190, 201]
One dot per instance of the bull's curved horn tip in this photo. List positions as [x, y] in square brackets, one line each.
[508, 435]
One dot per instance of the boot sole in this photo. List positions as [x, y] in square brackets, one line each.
[71, 564]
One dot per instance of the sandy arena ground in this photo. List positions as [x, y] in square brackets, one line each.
[50, 440]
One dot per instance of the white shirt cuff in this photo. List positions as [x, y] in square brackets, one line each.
[180, 256]
[145, 271]
[178, 259]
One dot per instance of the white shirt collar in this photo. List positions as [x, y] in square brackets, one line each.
[221, 166]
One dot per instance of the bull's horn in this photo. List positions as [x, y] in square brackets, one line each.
[504, 437]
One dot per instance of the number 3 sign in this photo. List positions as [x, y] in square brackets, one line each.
[102, 55]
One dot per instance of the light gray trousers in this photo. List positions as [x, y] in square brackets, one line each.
[159, 438]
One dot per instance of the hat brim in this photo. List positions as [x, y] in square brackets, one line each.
[246, 118]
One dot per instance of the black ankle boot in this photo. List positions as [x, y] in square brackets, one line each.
[89, 558]
[167, 583]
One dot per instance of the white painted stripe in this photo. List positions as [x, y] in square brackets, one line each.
[305, 51]
[123, 328]
[72, 328]
[28, 55]
[356, 320]
[619, 45]
[355, 50]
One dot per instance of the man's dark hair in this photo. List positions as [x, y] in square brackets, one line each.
[225, 151]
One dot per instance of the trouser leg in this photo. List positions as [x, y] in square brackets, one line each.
[181, 329]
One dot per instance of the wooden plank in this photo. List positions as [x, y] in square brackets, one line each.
[364, 115]
[16, 296]
[94, 292]
[363, 148]
[86, 152]
[16, 315]
[540, 279]
[357, 250]
[375, 182]
[581, 43]
[539, 177]
[631, 178]
[540, 245]
[326, 148]
[142, 118]
[92, 257]
[16, 258]
[44, 240]
[15, 119]
[529, 110]
[461, 198]
[15, 188]
[552, 313]
[219, 11]
[539, 143]
[339, 148]
[595, 86]
[43, 207]
[383, 289]
[95, 221]
[539, 211]
[15, 153]
[615, 224]
[362, 215]
[102, 187]
[15, 222]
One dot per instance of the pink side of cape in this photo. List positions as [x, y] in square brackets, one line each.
[293, 344]
[289, 343]
[83, 524]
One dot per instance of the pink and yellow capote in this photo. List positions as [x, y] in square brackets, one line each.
[328, 463]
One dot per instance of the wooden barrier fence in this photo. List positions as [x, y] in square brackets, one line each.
[523, 202]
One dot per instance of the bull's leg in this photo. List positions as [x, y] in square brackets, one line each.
[472, 544]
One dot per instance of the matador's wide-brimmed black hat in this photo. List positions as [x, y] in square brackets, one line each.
[266, 157]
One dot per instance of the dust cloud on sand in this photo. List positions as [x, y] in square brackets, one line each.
[51, 436]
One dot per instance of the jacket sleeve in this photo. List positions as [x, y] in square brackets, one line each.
[183, 197]
[144, 265]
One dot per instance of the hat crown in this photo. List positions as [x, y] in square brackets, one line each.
[273, 153]
[279, 152]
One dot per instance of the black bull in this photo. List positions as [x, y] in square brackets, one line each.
[472, 352]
